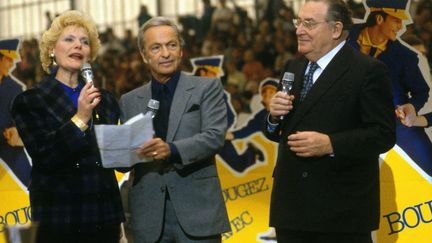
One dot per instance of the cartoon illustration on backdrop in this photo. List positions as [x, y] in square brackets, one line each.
[379, 37]
[12, 154]
[252, 155]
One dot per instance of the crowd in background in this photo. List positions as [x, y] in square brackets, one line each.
[252, 49]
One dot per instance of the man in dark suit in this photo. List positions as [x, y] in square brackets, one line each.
[177, 196]
[337, 120]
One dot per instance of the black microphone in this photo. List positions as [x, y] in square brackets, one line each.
[287, 83]
[87, 73]
[152, 107]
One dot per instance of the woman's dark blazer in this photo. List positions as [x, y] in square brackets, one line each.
[69, 189]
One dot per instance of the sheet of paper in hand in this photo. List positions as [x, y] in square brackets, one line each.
[118, 143]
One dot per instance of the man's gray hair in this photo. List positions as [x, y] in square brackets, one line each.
[153, 22]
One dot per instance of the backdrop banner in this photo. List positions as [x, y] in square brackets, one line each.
[15, 165]
[246, 161]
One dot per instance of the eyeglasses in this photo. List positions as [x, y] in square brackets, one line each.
[308, 24]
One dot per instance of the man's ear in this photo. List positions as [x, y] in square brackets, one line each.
[146, 61]
[337, 30]
[379, 19]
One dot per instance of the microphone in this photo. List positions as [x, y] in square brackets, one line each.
[152, 107]
[287, 83]
[87, 73]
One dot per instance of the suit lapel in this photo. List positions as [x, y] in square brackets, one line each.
[143, 98]
[333, 73]
[299, 70]
[181, 97]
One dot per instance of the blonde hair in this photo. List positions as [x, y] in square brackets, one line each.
[67, 18]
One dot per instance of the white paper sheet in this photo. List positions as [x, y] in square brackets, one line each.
[118, 143]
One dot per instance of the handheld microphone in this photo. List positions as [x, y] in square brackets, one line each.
[87, 73]
[152, 107]
[287, 83]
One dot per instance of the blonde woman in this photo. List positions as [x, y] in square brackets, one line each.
[72, 197]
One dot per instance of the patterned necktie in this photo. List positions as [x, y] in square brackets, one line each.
[308, 80]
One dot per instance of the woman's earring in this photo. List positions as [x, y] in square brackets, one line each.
[53, 62]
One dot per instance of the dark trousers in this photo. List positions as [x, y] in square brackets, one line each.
[51, 235]
[294, 236]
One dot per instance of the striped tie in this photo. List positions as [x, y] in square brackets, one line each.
[308, 80]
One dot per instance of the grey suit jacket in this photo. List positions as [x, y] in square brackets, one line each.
[193, 186]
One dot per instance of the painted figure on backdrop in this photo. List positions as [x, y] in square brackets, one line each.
[239, 162]
[253, 154]
[378, 37]
[11, 146]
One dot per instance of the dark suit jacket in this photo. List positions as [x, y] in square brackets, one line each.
[69, 189]
[352, 103]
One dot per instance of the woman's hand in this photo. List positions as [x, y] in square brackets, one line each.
[88, 99]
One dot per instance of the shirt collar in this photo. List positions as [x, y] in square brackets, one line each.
[171, 84]
[325, 60]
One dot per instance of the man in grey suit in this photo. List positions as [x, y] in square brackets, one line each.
[177, 197]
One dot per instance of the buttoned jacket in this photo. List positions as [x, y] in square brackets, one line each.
[351, 102]
[69, 188]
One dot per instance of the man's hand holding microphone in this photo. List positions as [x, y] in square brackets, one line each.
[302, 143]
[282, 102]
[280, 105]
